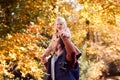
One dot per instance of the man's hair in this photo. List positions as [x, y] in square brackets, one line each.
[61, 43]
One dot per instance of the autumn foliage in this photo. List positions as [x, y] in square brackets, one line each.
[26, 27]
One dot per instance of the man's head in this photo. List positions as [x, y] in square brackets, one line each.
[60, 41]
[60, 44]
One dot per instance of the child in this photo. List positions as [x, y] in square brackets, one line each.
[60, 25]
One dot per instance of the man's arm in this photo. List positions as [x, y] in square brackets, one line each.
[70, 50]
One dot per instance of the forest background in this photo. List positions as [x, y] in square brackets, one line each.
[26, 27]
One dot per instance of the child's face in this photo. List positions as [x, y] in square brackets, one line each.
[59, 25]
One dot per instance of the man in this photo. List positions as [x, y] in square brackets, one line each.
[63, 64]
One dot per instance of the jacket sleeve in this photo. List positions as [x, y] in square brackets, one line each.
[49, 48]
[78, 52]
[70, 50]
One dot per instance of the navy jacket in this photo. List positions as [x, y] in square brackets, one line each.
[63, 71]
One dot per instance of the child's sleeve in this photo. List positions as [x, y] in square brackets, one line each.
[50, 47]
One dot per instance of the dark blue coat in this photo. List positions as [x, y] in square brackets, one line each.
[63, 71]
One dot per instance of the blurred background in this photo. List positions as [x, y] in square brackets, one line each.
[26, 28]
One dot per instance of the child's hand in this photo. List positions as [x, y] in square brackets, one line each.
[64, 34]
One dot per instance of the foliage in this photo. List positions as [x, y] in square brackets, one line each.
[23, 12]
[26, 29]
[22, 42]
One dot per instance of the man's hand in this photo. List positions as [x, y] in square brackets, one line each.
[43, 59]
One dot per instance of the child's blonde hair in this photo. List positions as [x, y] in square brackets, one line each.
[61, 19]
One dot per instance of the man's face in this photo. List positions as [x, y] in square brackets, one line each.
[58, 46]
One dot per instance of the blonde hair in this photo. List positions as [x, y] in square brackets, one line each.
[61, 19]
